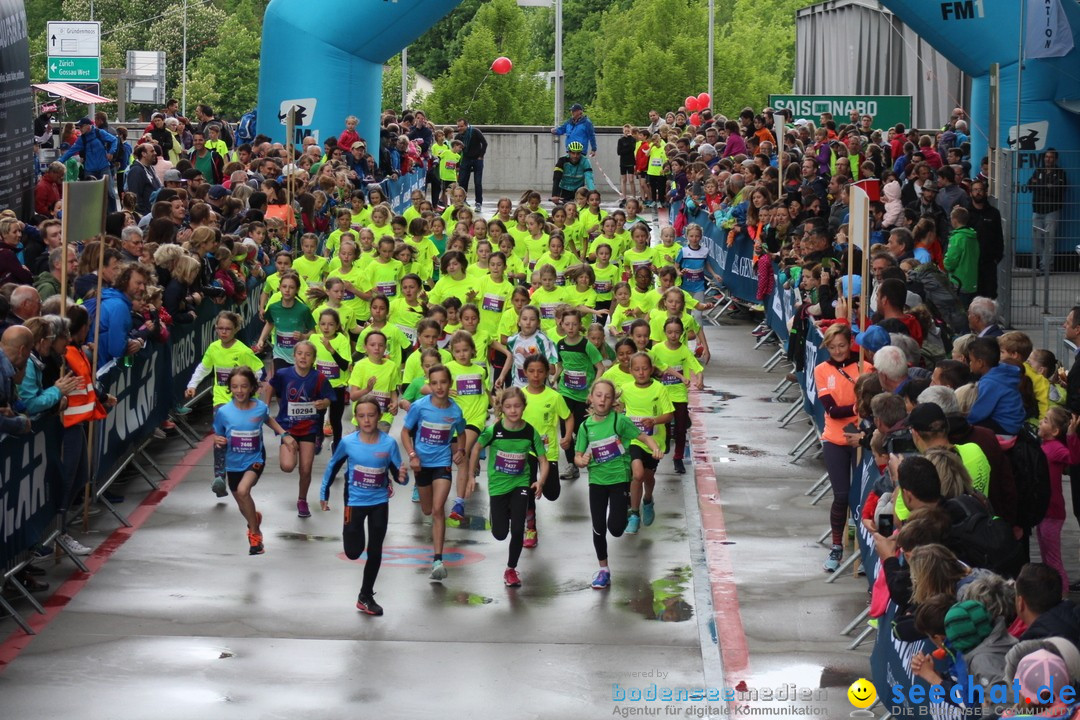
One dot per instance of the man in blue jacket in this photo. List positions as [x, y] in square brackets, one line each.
[96, 146]
[115, 312]
[999, 405]
[578, 128]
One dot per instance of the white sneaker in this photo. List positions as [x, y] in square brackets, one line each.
[74, 545]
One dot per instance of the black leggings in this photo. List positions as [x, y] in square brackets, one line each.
[378, 516]
[656, 187]
[608, 506]
[508, 517]
[838, 462]
[552, 486]
[578, 409]
[336, 409]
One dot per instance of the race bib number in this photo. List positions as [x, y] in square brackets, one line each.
[510, 463]
[368, 478]
[245, 441]
[693, 275]
[575, 379]
[606, 450]
[669, 378]
[547, 311]
[221, 374]
[409, 333]
[348, 296]
[656, 162]
[640, 423]
[383, 398]
[328, 370]
[286, 339]
[388, 289]
[640, 264]
[560, 278]
[602, 286]
[493, 303]
[470, 385]
[434, 433]
[301, 410]
[626, 325]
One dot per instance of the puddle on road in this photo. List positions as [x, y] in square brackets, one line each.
[662, 599]
[470, 522]
[722, 395]
[744, 450]
[460, 597]
[308, 537]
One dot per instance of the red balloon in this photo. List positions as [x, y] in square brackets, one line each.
[703, 100]
[502, 65]
[691, 103]
[695, 119]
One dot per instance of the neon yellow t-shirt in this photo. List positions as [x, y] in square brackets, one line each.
[325, 363]
[649, 401]
[468, 388]
[543, 411]
[311, 271]
[387, 377]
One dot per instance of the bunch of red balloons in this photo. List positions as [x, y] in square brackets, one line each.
[693, 104]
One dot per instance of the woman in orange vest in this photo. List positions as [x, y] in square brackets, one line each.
[83, 406]
[835, 382]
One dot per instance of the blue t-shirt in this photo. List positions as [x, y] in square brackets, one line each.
[922, 255]
[369, 469]
[296, 400]
[243, 428]
[692, 265]
[433, 430]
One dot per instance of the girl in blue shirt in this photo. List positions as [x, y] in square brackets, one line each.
[238, 429]
[431, 424]
[373, 459]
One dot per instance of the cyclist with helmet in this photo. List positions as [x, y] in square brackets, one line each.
[572, 171]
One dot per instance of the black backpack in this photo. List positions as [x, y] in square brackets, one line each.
[940, 296]
[980, 540]
[1031, 473]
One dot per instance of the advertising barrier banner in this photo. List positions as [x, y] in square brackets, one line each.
[29, 470]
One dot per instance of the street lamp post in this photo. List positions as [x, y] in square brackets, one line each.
[712, 30]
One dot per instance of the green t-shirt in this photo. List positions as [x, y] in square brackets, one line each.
[579, 363]
[681, 360]
[607, 444]
[448, 165]
[513, 453]
[289, 324]
[649, 401]
[412, 392]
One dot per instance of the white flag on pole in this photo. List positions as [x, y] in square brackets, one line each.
[1048, 32]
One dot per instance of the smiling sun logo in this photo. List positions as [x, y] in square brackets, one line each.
[862, 693]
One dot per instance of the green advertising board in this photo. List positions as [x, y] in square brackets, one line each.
[887, 110]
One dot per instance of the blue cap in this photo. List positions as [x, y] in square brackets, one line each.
[856, 285]
[873, 338]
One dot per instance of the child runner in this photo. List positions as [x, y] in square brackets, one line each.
[601, 447]
[619, 373]
[222, 357]
[428, 332]
[468, 388]
[515, 268]
[683, 370]
[548, 297]
[640, 255]
[649, 407]
[378, 376]
[543, 409]
[289, 319]
[432, 423]
[516, 469]
[666, 253]
[607, 277]
[596, 336]
[311, 267]
[396, 341]
[579, 292]
[238, 429]
[303, 394]
[373, 459]
[493, 293]
[623, 313]
[579, 364]
[406, 310]
[528, 341]
[333, 357]
[429, 358]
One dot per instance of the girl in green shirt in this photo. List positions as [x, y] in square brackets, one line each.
[602, 447]
[333, 358]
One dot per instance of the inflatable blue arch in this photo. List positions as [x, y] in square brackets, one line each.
[326, 57]
[973, 34]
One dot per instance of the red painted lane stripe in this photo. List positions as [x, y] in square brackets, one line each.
[18, 640]
[729, 626]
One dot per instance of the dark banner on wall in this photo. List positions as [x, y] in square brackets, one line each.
[16, 112]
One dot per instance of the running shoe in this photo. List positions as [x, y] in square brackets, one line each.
[680, 469]
[302, 509]
[570, 473]
[438, 570]
[511, 578]
[648, 513]
[367, 605]
[832, 563]
[181, 410]
[477, 208]
[531, 539]
[602, 579]
[255, 544]
[633, 524]
[457, 513]
[219, 487]
[415, 494]
[760, 332]
[74, 545]
[327, 431]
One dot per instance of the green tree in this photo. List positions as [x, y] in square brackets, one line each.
[391, 83]
[469, 87]
[233, 68]
[441, 44]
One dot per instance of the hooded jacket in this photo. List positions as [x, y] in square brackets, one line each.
[986, 661]
[97, 146]
[894, 208]
[962, 259]
[999, 402]
[1062, 620]
[115, 313]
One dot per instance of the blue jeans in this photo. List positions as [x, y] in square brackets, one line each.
[1044, 237]
[472, 167]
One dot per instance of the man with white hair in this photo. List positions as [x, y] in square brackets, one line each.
[131, 243]
[892, 368]
[982, 318]
[25, 303]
